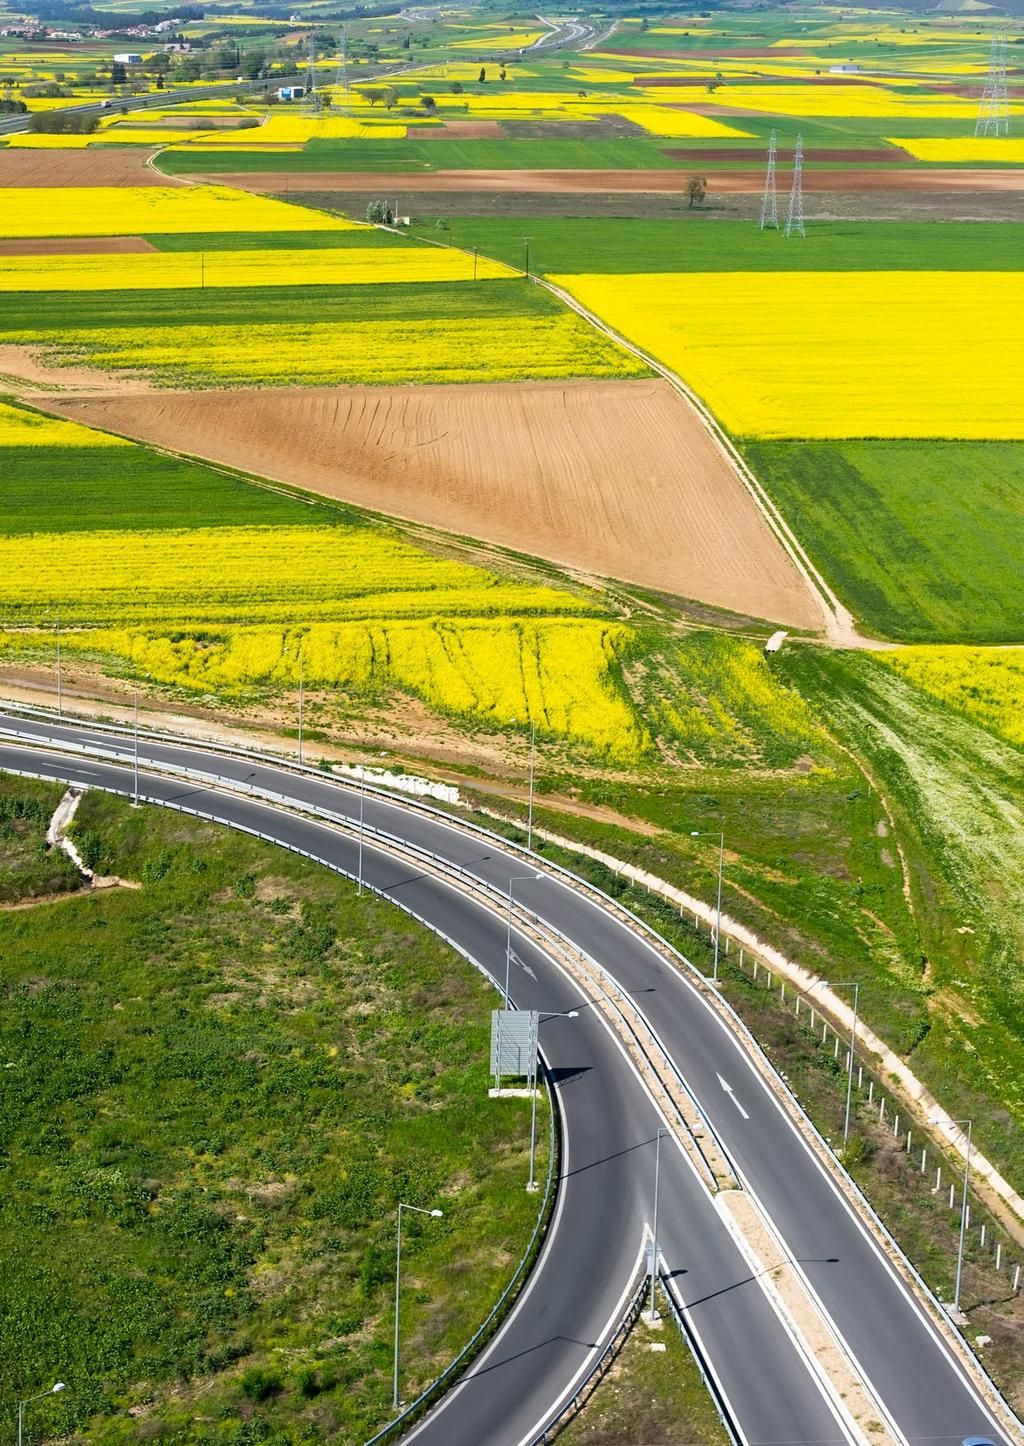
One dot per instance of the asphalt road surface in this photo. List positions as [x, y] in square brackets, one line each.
[580, 1285]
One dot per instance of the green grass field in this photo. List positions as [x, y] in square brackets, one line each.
[613, 154]
[219, 1086]
[705, 243]
[78, 489]
[924, 541]
[275, 240]
[43, 311]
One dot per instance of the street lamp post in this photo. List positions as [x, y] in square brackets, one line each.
[54, 1390]
[963, 1209]
[301, 690]
[531, 1184]
[696, 833]
[533, 771]
[515, 879]
[362, 810]
[60, 690]
[436, 1215]
[653, 1315]
[135, 768]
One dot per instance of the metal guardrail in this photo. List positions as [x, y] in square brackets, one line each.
[605, 980]
[710, 1383]
[491, 1319]
[595, 1375]
[643, 930]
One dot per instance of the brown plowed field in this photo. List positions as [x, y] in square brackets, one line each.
[93, 166]
[467, 130]
[73, 245]
[720, 182]
[616, 478]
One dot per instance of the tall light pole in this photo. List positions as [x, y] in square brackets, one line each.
[135, 769]
[60, 690]
[54, 1390]
[533, 771]
[515, 879]
[300, 707]
[362, 810]
[653, 1315]
[436, 1215]
[696, 833]
[963, 1208]
[531, 1184]
[853, 984]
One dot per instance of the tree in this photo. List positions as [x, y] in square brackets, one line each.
[503, 74]
[118, 74]
[696, 190]
[379, 213]
[391, 97]
[428, 102]
[456, 87]
[406, 41]
[483, 75]
[374, 97]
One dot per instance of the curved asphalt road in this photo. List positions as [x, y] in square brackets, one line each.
[606, 1185]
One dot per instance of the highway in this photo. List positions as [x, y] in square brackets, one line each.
[583, 1278]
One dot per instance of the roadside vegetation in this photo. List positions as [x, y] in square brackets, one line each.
[218, 1088]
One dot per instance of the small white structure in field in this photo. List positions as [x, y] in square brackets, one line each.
[775, 642]
[846, 68]
[128, 57]
[291, 92]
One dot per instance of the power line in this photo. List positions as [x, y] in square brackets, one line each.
[994, 106]
[770, 199]
[795, 214]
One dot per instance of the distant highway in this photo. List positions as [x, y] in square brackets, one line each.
[577, 1291]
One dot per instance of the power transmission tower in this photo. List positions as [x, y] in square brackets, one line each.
[795, 214]
[310, 104]
[994, 106]
[770, 199]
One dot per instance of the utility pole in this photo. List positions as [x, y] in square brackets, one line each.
[696, 833]
[526, 260]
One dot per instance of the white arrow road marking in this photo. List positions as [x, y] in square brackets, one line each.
[732, 1095]
[522, 964]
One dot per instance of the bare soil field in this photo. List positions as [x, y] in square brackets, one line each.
[574, 182]
[34, 380]
[618, 479]
[467, 130]
[73, 245]
[92, 166]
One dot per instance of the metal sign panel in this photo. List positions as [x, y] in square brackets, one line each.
[514, 1042]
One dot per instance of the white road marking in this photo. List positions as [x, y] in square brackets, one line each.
[522, 964]
[732, 1095]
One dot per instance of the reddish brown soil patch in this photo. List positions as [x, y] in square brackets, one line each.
[468, 130]
[724, 182]
[73, 245]
[701, 57]
[92, 166]
[616, 478]
[740, 153]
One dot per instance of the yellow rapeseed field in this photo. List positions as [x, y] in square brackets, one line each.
[459, 349]
[983, 150]
[251, 574]
[19, 428]
[832, 354]
[157, 270]
[134, 210]
[985, 683]
[229, 610]
[823, 100]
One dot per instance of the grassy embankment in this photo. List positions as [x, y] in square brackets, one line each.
[218, 1088]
